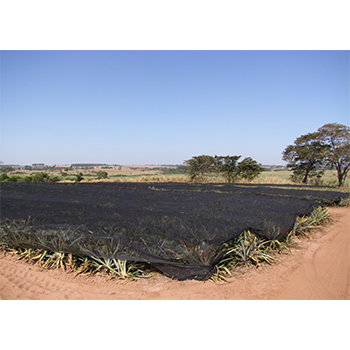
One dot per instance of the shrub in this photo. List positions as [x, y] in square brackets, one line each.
[40, 177]
[53, 179]
[79, 177]
[14, 178]
[249, 169]
[102, 174]
[4, 177]
[7, 169]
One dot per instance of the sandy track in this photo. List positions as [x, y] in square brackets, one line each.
[318, 270]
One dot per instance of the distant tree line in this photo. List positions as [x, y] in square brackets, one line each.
[6, 169]
[227, 166]
[38, 177]
[179, 169]
[313, 153]
[167, 170]
[87, 165]
[45, 177]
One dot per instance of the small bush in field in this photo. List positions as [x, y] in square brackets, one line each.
[102, 174]
[4, 177]
[79, 177]
[40, 177]
[53, 179]
[14, 179]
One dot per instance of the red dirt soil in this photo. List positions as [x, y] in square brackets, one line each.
[317, 270]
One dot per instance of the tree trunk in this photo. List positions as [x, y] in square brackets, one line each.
[305, 177]
[342, 174]
[340, 179]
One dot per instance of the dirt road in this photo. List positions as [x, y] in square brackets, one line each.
[317, 270]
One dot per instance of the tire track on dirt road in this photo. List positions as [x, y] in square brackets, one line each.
[325, 269]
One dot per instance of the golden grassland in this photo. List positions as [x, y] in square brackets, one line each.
[157, 173]
[270, 177]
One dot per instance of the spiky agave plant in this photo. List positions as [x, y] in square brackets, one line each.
[304, 224]
[344, 202]
[119, 268]
[224, 263]
[199, 254]
[52, 248]
[246, 249]
[251, 249]
[103, 255]
[270, 233]
[39, 257]
[84, 265]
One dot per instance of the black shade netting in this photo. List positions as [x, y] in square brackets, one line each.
[180, 228]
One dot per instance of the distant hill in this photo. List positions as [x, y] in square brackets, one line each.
[79, 165]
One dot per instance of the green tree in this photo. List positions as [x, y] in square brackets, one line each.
[4, 177]
[198, 166]
[40, 177]
[53, 179]
[228, 166]
[306, 158]
[7, 169]
[336, 138]
[217, 164]
[102, 174]
[249, 169]
[79, 177]
[14, 178]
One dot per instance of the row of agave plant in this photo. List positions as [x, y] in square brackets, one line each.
[250, 249]
[53, 249]
[80, 265]
[246, 249]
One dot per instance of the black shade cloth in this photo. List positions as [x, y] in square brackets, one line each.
[178, 227]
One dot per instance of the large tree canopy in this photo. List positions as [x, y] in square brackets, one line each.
[197, 166]
[305, 158]
[337, 138]
[227, 166]
[249, 169]
[311, 154]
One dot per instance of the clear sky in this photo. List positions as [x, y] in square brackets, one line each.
[163, 107]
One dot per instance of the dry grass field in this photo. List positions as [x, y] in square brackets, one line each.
[159, 173]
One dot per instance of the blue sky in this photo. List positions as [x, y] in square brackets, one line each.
[163, 107]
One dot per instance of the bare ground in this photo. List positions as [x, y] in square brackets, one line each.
[317, 270]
